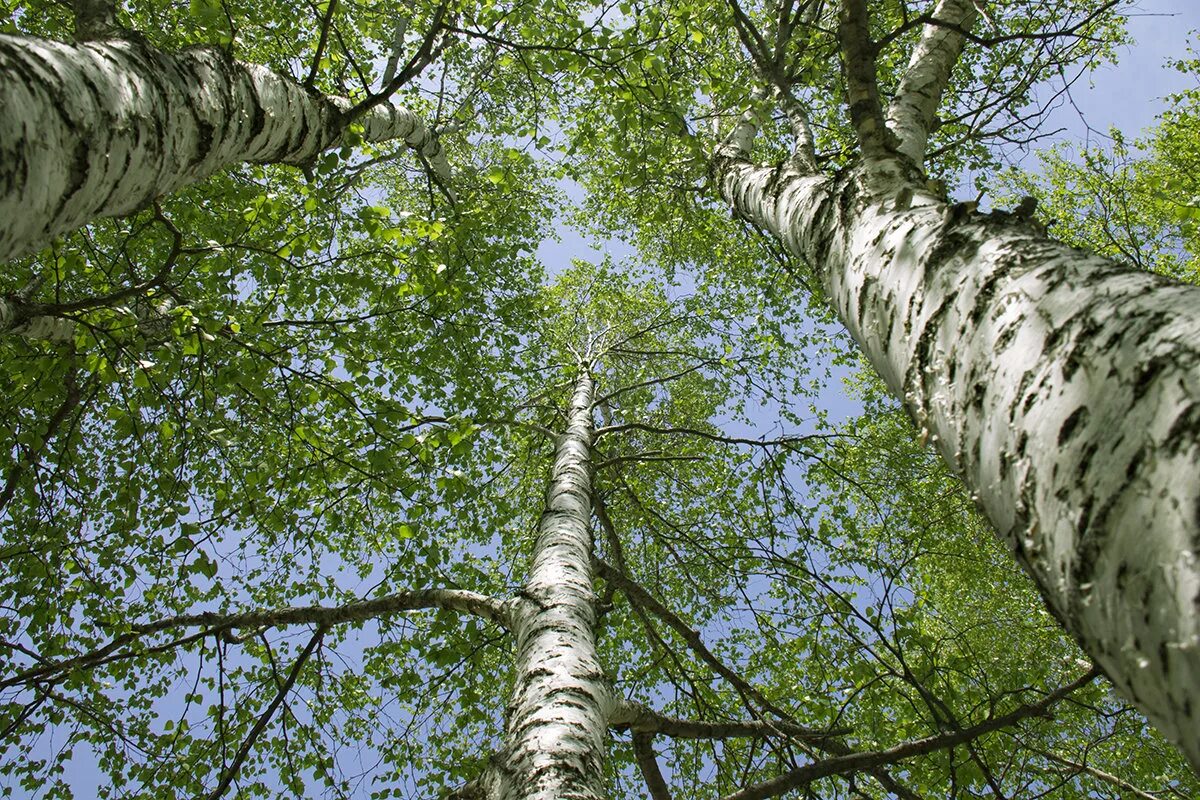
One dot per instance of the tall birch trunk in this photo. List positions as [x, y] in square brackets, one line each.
[558, 714]
[102, 128]
[1063, 388]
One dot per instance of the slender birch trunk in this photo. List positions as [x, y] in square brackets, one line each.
[557, 721]
[102, 128]
[1063, 388]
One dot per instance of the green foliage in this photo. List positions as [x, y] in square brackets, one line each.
[1138, 201]
[291, 387]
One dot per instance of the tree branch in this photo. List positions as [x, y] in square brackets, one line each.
[818, 739]
[1075, 766]
[324, 40]
[95, 19]
[643, 751]
[32, 458]
[389, 70]
[260, 725]
[640, 719]
[860, 761]
[215, 624]
[653, 455]
[862, 85]
[785, 441]
[913, 110]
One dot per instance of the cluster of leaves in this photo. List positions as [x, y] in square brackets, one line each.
[1137, 200]
[289, 387]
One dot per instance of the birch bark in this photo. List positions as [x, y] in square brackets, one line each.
[912, 112]
[558, 713]
[1063, 388]
[102, 128]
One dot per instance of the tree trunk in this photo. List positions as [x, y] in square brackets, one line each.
[102, 128]
[1064, 390]
[558, 713]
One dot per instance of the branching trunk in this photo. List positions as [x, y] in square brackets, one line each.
[1063, 388]
[102, 128]
[558, 713]
[913, 110]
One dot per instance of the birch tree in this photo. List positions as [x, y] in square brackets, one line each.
[300, 502]
[1057, 385]
[107, 124]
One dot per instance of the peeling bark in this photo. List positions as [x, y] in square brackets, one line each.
[102, 128]
[558, 713]
[1063, 388]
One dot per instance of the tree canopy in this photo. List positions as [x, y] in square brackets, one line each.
[291, 417]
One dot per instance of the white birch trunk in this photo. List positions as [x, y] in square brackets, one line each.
[558, 715]
[102, 128]
[1063, 388]
[912, 112]
[14, 320]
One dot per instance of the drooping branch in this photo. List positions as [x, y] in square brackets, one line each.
[103, 128]
[863, 760]
[213, 624]
[912, 112]
[230, 772]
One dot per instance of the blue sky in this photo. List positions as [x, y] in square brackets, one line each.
[1132, 92]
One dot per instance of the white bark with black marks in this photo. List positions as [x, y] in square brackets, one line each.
[102, 128]
[913, 110]
[557, 718]
[1062, 387]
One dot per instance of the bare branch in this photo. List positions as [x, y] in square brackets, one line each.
[261, 723]
[643, 751]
